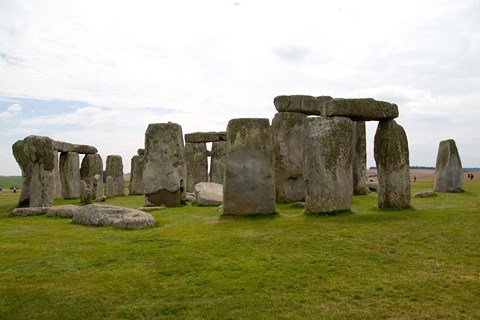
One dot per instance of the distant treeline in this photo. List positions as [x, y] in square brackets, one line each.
[433, 168]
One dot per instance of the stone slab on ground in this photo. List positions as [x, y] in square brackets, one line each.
[112, 216]
[209, 194]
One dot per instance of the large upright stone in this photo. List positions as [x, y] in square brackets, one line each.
[164, 173]
[217, 161]
[249, 187]
[359, 162]
[365, 109]
[56, 176]
[328, 164]
[114, 173]
[300, 103]
[70, 174]
[288, 139]
[135, 186]
[35, 156]
[448, 169]
[393, 165]
[197, 164]
[91, 171]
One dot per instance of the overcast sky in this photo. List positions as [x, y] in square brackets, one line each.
[98, 72]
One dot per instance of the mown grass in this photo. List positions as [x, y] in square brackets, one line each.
[8, 182]
[422, 263]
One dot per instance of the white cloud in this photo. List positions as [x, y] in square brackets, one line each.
[11, 112]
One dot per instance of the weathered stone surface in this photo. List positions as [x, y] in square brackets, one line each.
[70, 174]
[91, 171]
[56, 176]
[328, 164]
[288, 140]
[135, 186]
[85, 193]
[118, 217]
[425, 194]
[190, 196]
[61, 146]
[164, 173]
[359, 162]
[249, 187]
[196, 137]
[448, 169]
[20, 152]
[217, 161]
[141, 152]
[209, 194]
[114, 169]
[197, 164]
[393, 165]
[360, 109]
[151, 209]
[300, 103]
[36, 157]
[373, 186]
[64, 211]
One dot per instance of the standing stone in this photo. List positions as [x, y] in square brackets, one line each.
[114, 173]
[20, 152]
[70, 174]
[288, 139]
[164, 172]
[56, 174]
[217, 161]
[85, 193]
[135, 186]
[328, 164]
[91, 172]
[393, 165]
[249, 187]
[448, 169]
[197, 164]
[359, 163]
[35, 156]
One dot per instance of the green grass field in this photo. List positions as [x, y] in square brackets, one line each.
[422, 263]
[8, 182]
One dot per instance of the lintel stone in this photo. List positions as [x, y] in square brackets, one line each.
[197, 137]
[364, 109]
[308, 105]
[61, 146]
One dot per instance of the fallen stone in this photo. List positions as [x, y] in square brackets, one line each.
[425, 194]
[28, 211]
[64, 211]
[209, 194]
[190, 196]
[151, 209]
[114, 216]
[360, 109]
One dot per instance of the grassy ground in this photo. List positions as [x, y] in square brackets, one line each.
[422, 263]
[8, 182]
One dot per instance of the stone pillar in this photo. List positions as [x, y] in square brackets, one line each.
[393, 165]
[359, 163]
[288, 140]
[217, 161]
[448, 169]
[164, 173]
[91, 172]
[135, 186]
[35, 156]
[328, 164]
[114, 170]
[197, 164]
[70, 174]
[56, 173]
[249, 187]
